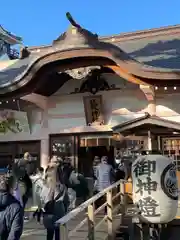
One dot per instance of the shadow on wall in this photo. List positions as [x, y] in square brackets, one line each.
[169, 104]
[167, 54]
[123, 104]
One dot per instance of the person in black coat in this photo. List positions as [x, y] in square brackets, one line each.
[11, 212]
[22, 169]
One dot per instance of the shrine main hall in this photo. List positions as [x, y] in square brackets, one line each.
[86, 95]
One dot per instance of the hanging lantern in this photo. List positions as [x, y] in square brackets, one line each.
[155, 189]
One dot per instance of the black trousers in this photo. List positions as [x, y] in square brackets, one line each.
[51, 233]
[38, 213]
[28, 189]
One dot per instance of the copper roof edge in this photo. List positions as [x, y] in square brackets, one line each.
[174, 29]
[144, 33]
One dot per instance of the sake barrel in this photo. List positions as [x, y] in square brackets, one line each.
[155, 188]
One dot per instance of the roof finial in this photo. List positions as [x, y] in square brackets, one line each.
[72, 21]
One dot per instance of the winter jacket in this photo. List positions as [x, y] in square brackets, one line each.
[23, 166]
[55, 205]
[11, 217]
[73, 180]
[66, 169]
[105, 176]
[82, 188]
[19, 168]
[38, 183]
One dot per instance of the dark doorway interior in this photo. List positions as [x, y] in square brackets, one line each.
[86, 156]
[11, 150]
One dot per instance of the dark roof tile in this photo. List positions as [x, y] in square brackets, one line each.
[160, 51]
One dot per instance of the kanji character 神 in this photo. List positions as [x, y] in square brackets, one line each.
[148, 186]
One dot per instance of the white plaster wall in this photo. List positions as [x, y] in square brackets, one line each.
[123, 105]
[168, 106]
[119, 106]
[66, 114]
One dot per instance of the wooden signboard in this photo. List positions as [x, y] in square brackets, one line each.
[93, 109]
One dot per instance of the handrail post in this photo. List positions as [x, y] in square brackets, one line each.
[91, 222]
[122, 197]
[109, 214]
[63, 232]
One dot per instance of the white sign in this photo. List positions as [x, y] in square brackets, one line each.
[155, 189]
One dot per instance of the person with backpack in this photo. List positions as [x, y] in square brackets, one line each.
[11, 211]
[82, 190]
[77, 188]
[54, 199]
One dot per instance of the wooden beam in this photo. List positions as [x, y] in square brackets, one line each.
[148, 92]
[125, 74]
[38, 100]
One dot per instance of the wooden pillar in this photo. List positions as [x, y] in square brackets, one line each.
[159, 142]
[149, 93]
[75, 153]
[152, 107]
[149, 141]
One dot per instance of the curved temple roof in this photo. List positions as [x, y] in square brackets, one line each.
[77, 47]
[9, 37]
[7, 40]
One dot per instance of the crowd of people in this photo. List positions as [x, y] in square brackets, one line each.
[56, 190]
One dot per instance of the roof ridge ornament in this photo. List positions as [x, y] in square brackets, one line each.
[72, 21]
[80, 29]
[75, 36]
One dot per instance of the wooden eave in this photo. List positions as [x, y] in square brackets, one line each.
[80, 48]
[144, 124]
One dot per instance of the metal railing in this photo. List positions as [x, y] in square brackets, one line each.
[116, 192]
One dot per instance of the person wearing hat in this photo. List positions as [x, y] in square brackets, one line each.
[11, 211]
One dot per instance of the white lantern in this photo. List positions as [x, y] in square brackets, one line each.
[155, 188]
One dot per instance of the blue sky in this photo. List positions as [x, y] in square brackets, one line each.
[41, 21]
